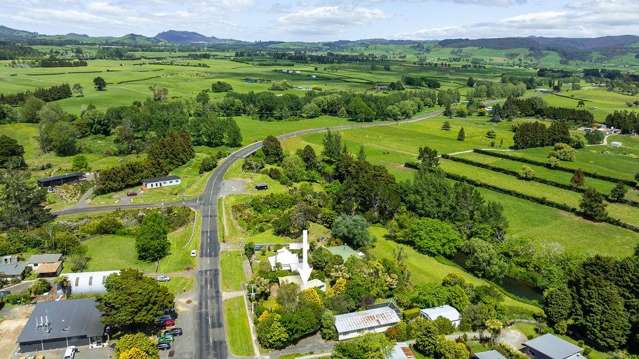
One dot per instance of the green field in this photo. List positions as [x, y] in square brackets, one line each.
[233, 277]
[237, 327]
[114, 252]
[599, 101]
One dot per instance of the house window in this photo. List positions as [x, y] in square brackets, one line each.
[77, 281]
[90, 281]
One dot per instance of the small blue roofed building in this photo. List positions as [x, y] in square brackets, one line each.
[549, 346]
[345, 252]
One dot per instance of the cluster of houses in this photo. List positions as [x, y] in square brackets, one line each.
[44, 265]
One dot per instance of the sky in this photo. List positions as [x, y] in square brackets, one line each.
[327, 20]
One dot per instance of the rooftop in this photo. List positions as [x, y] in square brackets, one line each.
[371, 318]
[491, 354]
[63, 319]
[553, 346]
[445, 311]
[60, 177]
[47, 268]
[159, 179]
[12, 268]
[44, 258]
[402, 351]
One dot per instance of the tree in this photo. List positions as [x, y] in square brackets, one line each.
[22, 202]
[432, 236]
[233, 133]
[270, 331]
[272, 150]
[249, 250]
[208, 164]
[428, 157]
[426, 341]
[353, 230]
[446, 126]
[368, 346]
[461, 135]
[307, 154]
[448, 349]
[159, 93]
[202, 97]
[311, 110]
[361, 155]
[63, 137]
[11, 153]
[578, 178]
[484, 260]
[557, 304]
[618, 192]
[221, 86]
[78, 90]
[332, 146]
[592, 205]
[80, 163]
[494, 327]
[30, 109]
[491, 134]
[39, 287]
[359, 110]
[133, 301]
[152, 243]
[99, 83]
[526, 173]
[133, 344]
[328, 331]
[563, 152]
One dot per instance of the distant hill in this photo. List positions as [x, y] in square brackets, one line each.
[9, 34]
[182, 37]
[543, 43]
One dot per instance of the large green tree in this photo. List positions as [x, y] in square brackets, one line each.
[272, 149]
[368, 346]
[432, 237]
[152, 242]
[593, 206]
[22, 202]
[353, 230]
[133, 301]
[11, 153]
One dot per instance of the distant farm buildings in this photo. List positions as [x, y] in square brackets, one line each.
[60, 180]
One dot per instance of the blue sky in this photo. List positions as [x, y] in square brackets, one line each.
[323, 20]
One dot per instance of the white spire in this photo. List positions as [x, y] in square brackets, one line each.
[305, 269]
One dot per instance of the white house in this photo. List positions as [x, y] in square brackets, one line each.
[376, 320]
[158, 182]
[284, 259]
[445, 311]
[88, 282]
[290, 261]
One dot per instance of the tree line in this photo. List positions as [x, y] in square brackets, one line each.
[56, 62]
[626, 121]
[537, 107]
[48, 94]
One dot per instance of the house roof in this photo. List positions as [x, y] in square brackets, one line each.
[553, 346]
[46, 268]
[44, 258]
[63, 319]
[491, 354]
[284, 257]
[445, 311]
[160, 179]
[372, 318]
[12, 269]
[60, 177]
[344, 251]
[402, 351]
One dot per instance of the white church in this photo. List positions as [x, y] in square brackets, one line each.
[287, 260]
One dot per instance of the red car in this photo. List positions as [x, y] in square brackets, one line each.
[168, 323]
[132, 194]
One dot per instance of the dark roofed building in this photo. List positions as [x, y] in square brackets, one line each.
[549, 346]
[11, 267]
[60, 180]
[55, 325]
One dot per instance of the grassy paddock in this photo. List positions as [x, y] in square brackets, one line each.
[232, 270]
[237, 327]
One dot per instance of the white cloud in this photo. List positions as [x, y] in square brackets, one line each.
[578, 18]
[328, 19]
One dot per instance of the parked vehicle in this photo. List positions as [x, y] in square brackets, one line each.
[165, 339]
[163, 278]
[131, 194]
[168, 323]
[69, 353]
[194, 253]
[176, 332]
[163, 346]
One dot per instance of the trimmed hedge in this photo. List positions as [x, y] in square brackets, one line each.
[560, 168]
[540, 200]
[535, 179]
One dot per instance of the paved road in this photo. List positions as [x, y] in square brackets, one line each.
[209, 322]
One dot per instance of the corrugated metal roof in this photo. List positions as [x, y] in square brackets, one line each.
[491, 354]
[553, 346]
[445, 311]
[371, 318]
[44, 258]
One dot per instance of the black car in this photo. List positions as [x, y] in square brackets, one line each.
[163, 346]
[176, 332]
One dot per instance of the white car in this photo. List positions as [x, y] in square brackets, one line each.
[163, 278]
[194, 253]
[69, 353]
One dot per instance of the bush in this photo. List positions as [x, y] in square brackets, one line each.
[563, 152]
[208, 164]
[39, 287]
[526, 173]
[221, 86]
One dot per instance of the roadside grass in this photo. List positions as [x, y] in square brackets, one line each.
[179, 285]
[425, 269]
[232, 263]
[237, 327]
[114, 252]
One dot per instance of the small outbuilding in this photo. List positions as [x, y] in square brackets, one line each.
[60, 180]
[157, 182]
[12, 268]
[60, 324]
[37, 259]
[345, 252]
[491, 354]
[376, 320]
[284, 259]
[88, 282]
[402, 351]
[445, 311]
[549, 346]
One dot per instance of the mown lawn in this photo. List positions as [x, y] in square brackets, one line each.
[232, 270]
[113, 252]
[238, 331]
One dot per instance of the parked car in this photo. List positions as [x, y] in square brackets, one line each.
[163, 346]
[168, 323]
[194, 253]
[132, 194]
[163, 278]
[69, 353]
[176, 332]
[165, 339]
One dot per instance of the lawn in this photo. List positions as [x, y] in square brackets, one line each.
[179, 285]
[113, 252]
[425, 269]
[232, 270]
[237, 327]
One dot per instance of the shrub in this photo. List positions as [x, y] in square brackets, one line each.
[39, 287]
[526, 173]
[563, 152]
[208, 164]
